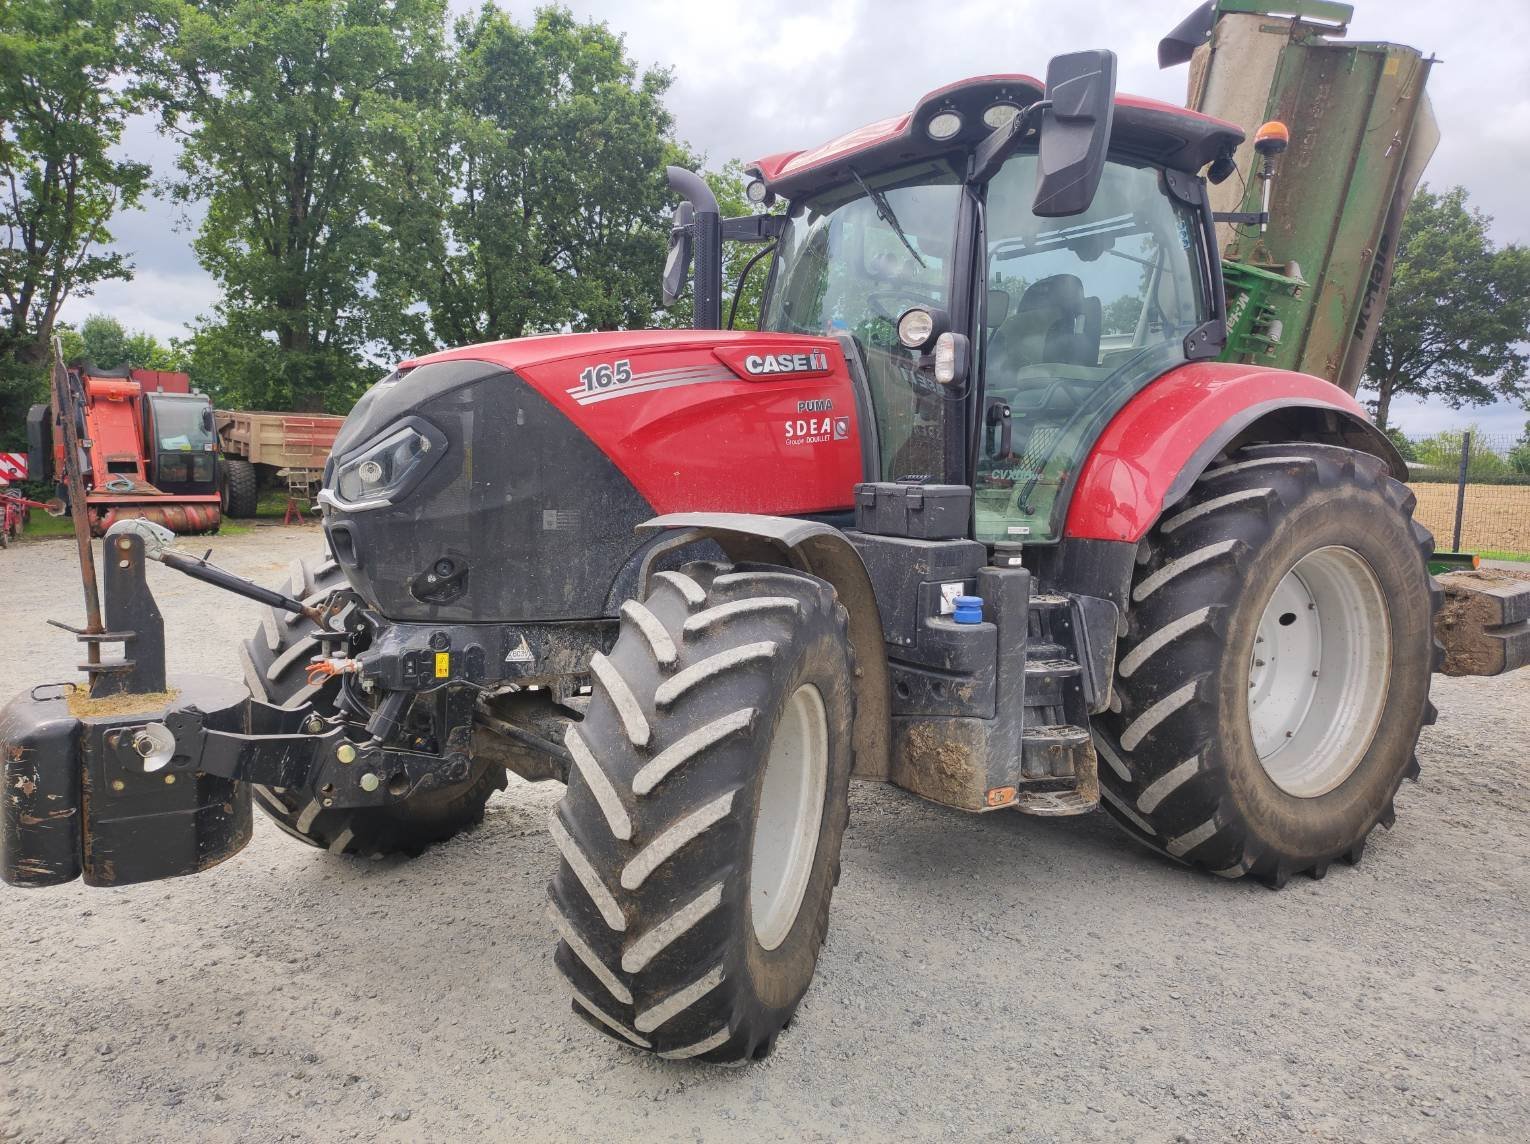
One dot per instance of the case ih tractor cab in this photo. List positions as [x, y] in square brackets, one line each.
[978, 513]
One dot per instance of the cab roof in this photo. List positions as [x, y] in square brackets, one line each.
[1149, 129]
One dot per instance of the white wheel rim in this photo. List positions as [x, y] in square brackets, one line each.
[1317, 679]
[791, 810]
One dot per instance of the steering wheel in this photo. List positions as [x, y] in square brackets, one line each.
[877, 300]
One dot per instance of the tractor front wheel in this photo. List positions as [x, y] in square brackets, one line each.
[701, 828]
[1275, 672]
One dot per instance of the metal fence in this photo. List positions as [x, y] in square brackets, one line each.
[1473, 491]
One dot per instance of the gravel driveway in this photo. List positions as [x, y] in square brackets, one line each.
[984, 976]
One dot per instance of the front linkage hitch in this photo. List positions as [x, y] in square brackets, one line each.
[139, 777]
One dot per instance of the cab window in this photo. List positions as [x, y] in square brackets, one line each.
[848, 263]
[1082, 312]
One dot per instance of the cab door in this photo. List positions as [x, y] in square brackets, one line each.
[1082, 313]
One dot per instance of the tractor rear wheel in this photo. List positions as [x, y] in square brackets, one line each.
[275, 668]
[241, 488]
[701, 828]
[1275, 673]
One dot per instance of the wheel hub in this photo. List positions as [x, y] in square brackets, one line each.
[1318, 675]
[790, 814]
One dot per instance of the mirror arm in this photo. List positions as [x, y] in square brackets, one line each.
[990, 153]
[753, 228]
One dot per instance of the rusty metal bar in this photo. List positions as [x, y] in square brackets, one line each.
[79, 512]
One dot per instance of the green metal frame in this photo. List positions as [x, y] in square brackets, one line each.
[1328, 10]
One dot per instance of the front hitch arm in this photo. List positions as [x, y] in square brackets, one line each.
[290, 747]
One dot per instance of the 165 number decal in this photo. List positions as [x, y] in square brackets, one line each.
[598, 377]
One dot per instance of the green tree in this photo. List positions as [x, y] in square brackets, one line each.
[69, 338]
[299, 120]
[105, 341]
[1405, 446]
[1519, 455]
[549, 173]
[1458, 312]
[66, 90]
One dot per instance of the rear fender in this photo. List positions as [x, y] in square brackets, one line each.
[819, 550]
[1161, 441]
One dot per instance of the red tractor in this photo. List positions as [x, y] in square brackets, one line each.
[978, 512]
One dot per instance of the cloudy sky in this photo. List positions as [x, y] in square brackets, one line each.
[753, 78]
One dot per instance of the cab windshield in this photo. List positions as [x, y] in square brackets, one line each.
[843, 267]
[185, 442]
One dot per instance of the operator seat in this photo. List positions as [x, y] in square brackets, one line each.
[1053, 322]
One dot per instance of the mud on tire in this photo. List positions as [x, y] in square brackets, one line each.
[275, 661]
[670, 841]
[1179, 769]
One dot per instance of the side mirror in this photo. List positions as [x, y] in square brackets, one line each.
[1075, 132]
[207, 419]
[677, 265]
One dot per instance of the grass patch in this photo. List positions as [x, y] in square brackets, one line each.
[42, 524]
[272, 504]
[1494, 554]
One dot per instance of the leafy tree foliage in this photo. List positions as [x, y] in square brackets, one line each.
[548, 169]
[298, 118]
[65, 94]
[105, 342]
[1519, 455]
[1458, 313]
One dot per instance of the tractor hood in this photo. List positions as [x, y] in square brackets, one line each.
[504, 482]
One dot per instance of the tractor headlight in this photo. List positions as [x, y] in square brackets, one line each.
[943, 125]
[381, 473]
[1000, 114]
[916, 327]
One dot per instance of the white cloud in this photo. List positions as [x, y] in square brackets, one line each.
[158, 302]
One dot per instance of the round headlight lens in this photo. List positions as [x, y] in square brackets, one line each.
[943, 126]
[756, 191]
[1000, 114]
[916, 327]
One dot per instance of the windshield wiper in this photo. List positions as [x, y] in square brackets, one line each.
[885, 213]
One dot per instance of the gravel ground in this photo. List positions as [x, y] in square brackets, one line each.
[994, 976]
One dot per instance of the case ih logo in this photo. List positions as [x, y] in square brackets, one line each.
[810, 361]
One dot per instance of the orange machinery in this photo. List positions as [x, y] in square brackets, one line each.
[148, 446]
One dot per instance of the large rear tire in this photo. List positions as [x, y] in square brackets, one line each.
[1275, 673]
[275, 663]
[701, 828]
[241, 489]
